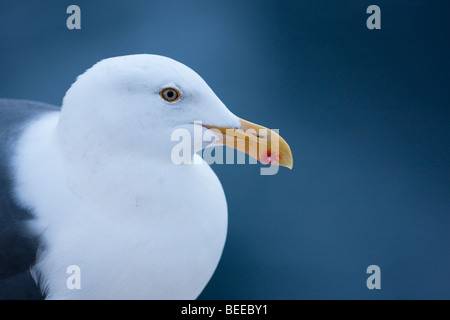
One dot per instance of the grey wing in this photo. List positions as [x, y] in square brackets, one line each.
[18, 246]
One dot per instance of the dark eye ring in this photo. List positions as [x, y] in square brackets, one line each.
[170, 94]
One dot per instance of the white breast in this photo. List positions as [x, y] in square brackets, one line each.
[136, 229]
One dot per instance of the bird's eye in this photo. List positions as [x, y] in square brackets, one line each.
[170, 94]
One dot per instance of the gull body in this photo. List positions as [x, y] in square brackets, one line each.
[102, 194]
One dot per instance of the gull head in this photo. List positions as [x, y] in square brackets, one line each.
[133, 104]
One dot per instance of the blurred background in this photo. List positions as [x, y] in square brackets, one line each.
[366, 113]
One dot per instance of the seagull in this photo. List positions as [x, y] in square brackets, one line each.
[92, 205]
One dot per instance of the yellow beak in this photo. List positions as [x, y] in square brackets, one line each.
[258, 142]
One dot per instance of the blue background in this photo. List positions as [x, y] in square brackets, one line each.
[366, 113]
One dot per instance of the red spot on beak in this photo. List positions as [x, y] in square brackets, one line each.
[270, 158]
